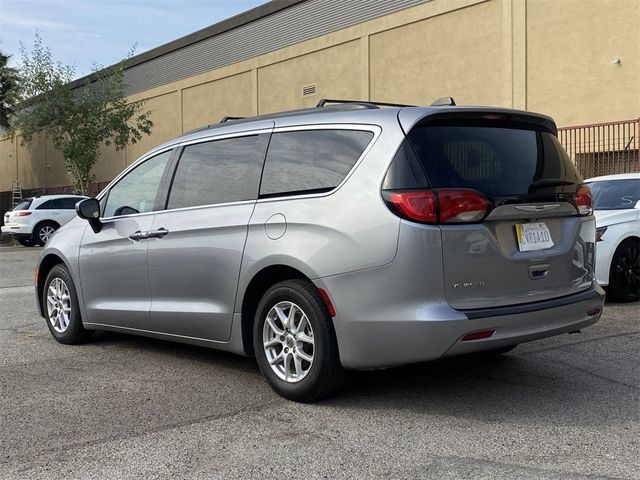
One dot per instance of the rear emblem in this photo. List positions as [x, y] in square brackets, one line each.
[537, 208]
[468, 285]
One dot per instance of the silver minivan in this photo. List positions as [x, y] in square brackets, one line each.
[349, 236]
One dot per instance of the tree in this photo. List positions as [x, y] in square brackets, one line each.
[8, 90]
[78, 120]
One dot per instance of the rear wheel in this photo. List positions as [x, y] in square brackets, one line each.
[43, 232]
[295, 343]
[61, 308]
[624, 275]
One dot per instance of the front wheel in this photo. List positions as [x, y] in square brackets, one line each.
[624, 275]
[61, 308]
[295, 343]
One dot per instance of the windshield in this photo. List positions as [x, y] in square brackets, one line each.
[615, 194]
[495, 161]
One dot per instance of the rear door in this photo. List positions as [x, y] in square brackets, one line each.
[194, 258]
[67, 209]
[533, 245]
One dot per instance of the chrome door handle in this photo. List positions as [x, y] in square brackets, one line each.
[160, 233]
[137, 236]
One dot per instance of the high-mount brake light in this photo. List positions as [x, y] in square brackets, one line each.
[443, 205]
[583, 200]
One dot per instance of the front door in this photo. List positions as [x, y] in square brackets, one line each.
[194, 261]
[113, 262]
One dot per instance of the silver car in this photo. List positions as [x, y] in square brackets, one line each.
[348, 236]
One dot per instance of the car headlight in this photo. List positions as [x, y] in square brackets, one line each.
[599, 233]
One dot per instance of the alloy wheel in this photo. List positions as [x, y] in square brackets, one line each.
[288, 342]
[59, 305]
[45, 233]
[627, 269]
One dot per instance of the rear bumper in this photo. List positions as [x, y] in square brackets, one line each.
[366, 344]
[18, 231]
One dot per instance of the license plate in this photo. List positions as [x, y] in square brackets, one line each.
[533, 236]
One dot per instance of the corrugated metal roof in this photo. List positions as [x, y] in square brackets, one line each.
[282, 23]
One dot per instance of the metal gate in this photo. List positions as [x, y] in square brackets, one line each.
[603, 148]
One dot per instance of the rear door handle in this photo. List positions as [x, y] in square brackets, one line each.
[160, 233]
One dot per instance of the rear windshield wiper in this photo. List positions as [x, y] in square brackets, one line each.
[550, 182]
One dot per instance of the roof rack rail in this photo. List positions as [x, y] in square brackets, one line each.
[444, 102]
[362, 103]
[230, 119]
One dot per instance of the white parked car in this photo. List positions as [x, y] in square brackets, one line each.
[33, 221]
[616, 201]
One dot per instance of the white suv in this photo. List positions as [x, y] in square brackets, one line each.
[33, 221]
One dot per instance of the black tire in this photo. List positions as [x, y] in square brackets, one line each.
[624, 273]
[325, 374]
[75, 332]
[40, 229]
[25, 242]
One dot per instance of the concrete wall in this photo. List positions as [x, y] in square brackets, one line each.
[550, 56]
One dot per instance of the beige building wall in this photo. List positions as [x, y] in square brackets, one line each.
[551, 56]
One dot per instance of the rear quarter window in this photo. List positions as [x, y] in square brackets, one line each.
[311, 161]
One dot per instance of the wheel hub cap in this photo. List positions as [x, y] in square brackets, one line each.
[288, 342]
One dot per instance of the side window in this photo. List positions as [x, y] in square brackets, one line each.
[49, 205]
[136, 192]
[219, 171]
[311, 160]
[68, 203]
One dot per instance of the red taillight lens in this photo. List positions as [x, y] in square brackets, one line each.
[440, 205]
[462, 206]
[419, 206]
[583, 200]
[23, 213]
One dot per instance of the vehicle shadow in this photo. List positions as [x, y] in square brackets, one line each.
[523, 388]
[527, 387]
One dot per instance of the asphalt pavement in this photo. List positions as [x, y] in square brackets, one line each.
[128, 407]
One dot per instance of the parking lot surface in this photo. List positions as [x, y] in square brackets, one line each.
[128, 407]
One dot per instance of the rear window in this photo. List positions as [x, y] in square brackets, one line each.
[311, 161]
[24, 205]
[615, 194]
[493, 160]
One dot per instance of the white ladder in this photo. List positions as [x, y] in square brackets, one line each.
[16, 193]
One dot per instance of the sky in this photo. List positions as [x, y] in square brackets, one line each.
[84, 32]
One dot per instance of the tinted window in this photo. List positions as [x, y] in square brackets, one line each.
[495, 161]
[615, 194]
[59, 204]
[24, 205]
[313, 160]
[68, 203]
[136, 192]
[49, 205]
[221, 171]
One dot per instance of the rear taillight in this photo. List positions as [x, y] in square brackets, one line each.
[23, 213]
[442, 205]
[583, 200]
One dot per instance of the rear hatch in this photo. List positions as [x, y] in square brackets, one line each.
[18, 211]
[515, 217]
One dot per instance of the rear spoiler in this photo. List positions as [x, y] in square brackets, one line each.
[410, 117]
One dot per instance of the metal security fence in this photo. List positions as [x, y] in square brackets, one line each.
[603, 148]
